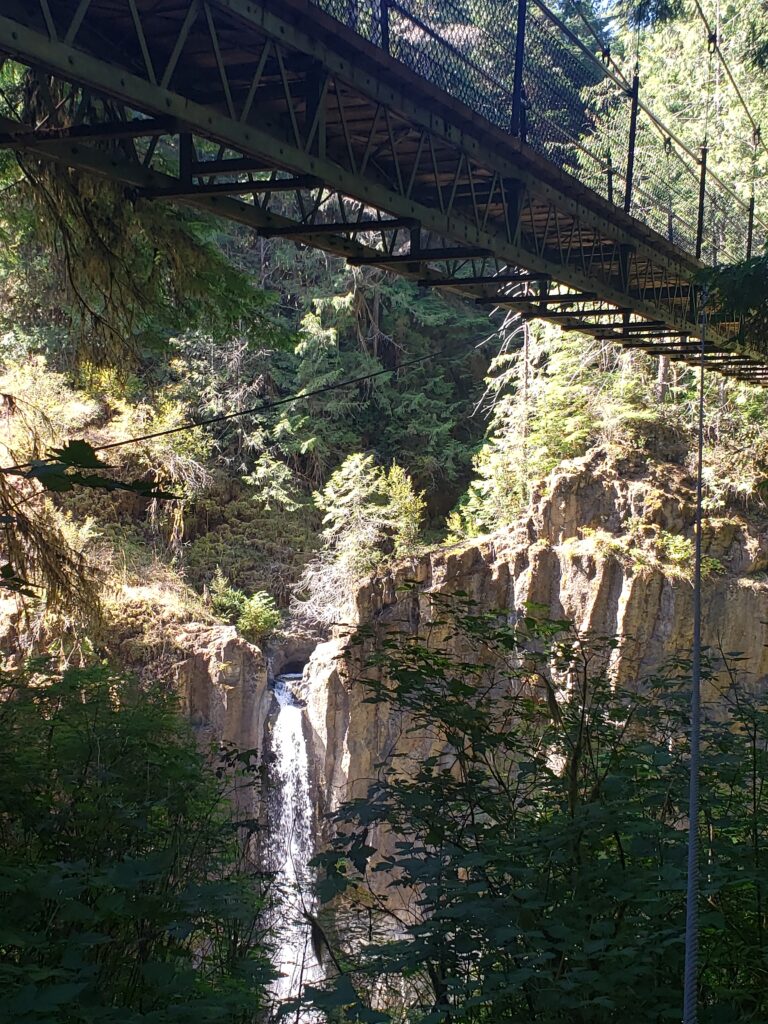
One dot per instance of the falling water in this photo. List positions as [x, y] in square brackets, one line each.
[291, 848]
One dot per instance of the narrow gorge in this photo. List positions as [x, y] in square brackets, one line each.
[587, 550]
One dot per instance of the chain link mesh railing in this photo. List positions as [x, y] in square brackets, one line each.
[576, 110]
[559, 79]
[471, 61]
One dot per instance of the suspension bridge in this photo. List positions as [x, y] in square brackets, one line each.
[505, 158]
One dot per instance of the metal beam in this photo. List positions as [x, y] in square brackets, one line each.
[530, 305]
[137, 127]
[260, 139]
[180, 190]
[230, 165]
[482, 279]
[670, 349]
[644, 325]
[139, 178]
[275, 136]
[553, 300]
[344, 227]
[423, 256]
[639, 336]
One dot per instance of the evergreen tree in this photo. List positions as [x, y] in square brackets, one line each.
[536, 854]
[369, 514]
[126, 896]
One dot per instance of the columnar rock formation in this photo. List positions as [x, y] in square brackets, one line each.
[223, 684]
[606, 545]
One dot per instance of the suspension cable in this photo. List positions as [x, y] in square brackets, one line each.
[691, 970]
[225, 417]
[604, 48]
[708, 104]
[714, 37]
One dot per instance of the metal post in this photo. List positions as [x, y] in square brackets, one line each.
[384, 8]
[635, 94]
[702, 201]
[517, 81]
[610, 178]
[750, 226]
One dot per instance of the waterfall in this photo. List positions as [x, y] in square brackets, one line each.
[291, 847]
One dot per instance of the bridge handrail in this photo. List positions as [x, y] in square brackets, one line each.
[619, 79]
[559, 139]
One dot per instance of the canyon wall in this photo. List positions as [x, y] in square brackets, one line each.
[606, 544]
[223, 684]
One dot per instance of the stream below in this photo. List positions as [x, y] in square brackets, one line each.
[291, 847]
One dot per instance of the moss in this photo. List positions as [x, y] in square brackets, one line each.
[257, 549]
[139, 619]
[645, 548]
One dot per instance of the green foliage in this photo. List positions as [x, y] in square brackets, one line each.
[551, 399]
[257, 548]
[44, 551]
[641, 13]
[259, 617]
[365, 506]
[60, 471]
[155, 277]
[348, 324]
[369, 514]
[119, 276]
[557, 395]
[255, 617]
[124, 897]
[742, 291]
[227, 601]
[406, 510]
[533, 841]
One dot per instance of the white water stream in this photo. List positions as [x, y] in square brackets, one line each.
[291, 848]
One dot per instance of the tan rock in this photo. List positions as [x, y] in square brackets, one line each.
[592, 550]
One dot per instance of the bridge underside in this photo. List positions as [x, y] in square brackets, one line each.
[275, 115]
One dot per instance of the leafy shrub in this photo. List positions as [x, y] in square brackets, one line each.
[227, 601]
[259, 617]
[125, 894]
[255, 617]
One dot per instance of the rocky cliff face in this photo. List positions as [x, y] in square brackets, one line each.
[608, 545]
[223, 683]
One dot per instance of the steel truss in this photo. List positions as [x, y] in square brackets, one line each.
[256, 110]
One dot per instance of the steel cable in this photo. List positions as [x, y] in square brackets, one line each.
[691, 968]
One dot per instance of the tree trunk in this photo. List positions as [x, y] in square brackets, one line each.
[662, 379]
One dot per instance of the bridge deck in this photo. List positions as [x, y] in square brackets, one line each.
[281, 117]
